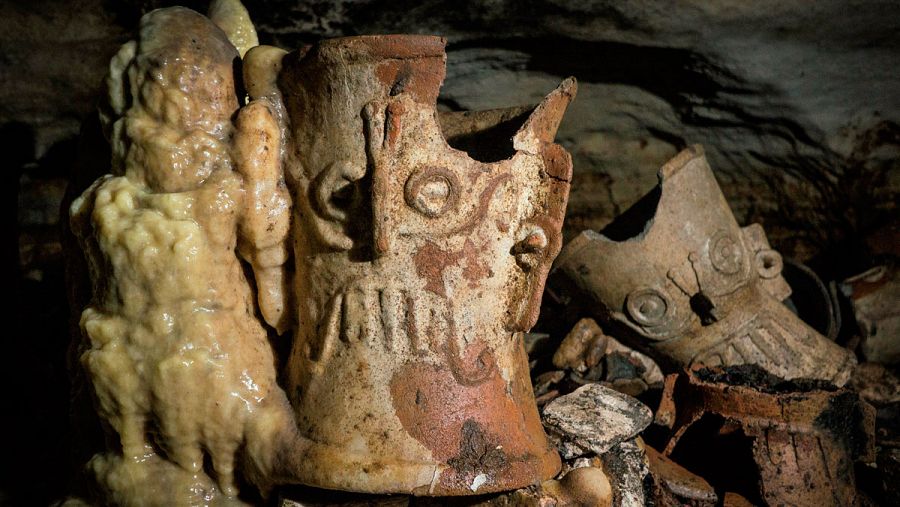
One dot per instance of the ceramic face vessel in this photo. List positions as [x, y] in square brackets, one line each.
[679, 276]
[418, 266]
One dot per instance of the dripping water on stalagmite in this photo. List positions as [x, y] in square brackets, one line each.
[180, 366]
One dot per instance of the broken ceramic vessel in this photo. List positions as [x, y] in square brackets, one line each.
[421, 242]
[803, 437]
[418, 268]
[677, 275]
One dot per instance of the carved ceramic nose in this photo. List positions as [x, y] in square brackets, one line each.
[384, 126]
[381, 212]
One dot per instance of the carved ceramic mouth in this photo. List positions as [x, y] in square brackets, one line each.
[403, 322]
[785, 346]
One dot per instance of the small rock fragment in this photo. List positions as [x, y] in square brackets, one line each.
[651, 374]
[626, 466]
[596, 418]
[544, 381]
[546, 397]
[575, 348]
[876, 384]
[874, 295]
[587, 486]
[630, 386]
[567, 450]
[595, 373]
[735, 500]
[622, 366]
[673, 485]
[581, 462]
[596, 352]
[583, 380]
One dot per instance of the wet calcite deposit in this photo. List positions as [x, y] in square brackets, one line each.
[181, 369]
[420, 245]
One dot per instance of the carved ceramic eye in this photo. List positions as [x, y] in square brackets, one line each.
[431, 191]
[768, 263]
[648, 307]
[725, 253]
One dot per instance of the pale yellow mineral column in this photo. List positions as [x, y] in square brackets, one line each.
[232, 17]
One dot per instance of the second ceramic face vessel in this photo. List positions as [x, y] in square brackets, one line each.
[677, 274]
[418, 266]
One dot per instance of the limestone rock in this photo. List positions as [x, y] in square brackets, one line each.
[627, 467]
[596, 418]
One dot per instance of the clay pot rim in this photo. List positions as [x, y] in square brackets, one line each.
[390, 46]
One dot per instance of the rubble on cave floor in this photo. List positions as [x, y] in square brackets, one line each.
[732, 436]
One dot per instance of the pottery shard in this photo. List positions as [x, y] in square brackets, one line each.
[876, 384]
[873, 296]
[596, 418]
[889, 464]
[575, 349]
[673, 485]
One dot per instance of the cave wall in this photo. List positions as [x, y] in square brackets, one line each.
[797, 104]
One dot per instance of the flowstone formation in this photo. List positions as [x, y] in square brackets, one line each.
[420, 244]
[181, 369]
